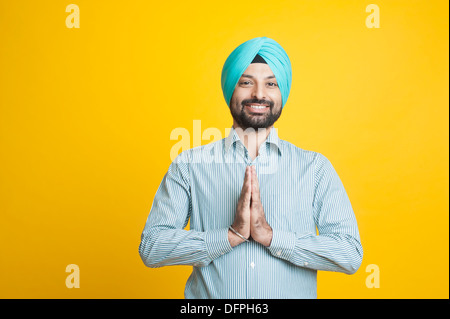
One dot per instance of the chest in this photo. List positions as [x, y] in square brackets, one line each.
[287, 196]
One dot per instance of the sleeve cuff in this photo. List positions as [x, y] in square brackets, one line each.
[217, 243]
[282, 244]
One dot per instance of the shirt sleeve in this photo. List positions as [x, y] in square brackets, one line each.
[164, 241]
[337, 247]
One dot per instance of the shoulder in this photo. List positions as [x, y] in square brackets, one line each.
[301, 154]
[317, 161]
[197, 154]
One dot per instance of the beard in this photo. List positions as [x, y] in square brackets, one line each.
[255, 121]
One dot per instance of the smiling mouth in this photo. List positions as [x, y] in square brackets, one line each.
[256, 106]
[257, 109]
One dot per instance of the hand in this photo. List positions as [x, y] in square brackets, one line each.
[259, 228]
[242, 218]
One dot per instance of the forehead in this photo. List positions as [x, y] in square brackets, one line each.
[258, 70]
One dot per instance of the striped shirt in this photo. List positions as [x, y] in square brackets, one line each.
[304, 201]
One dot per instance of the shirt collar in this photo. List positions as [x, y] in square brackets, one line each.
[272, 139]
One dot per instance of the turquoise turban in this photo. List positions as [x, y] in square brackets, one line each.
[239, 60]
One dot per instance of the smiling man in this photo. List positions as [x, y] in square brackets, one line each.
[255, 208]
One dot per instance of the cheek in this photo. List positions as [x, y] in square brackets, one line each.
[235, 105]
[276, 98]
[237, 95]
[233, 102]
[236, 100]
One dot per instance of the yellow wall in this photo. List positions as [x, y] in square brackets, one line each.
[86, 115]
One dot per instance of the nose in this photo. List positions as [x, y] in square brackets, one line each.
[259, 92]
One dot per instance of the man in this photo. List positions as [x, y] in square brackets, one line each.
[255, 208]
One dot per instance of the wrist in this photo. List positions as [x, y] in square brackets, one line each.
[234, 239]
[264, 236]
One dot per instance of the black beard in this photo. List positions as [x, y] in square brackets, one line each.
[255, 121]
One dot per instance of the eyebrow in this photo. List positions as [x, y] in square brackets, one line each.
[251, 76]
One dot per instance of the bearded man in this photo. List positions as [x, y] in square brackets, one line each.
[264, 215]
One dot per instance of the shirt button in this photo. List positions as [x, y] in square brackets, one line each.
[252, 264]
[279, 253]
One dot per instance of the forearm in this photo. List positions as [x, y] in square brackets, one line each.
[330, 252]
[164, 247]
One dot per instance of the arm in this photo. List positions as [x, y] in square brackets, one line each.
[337, 247]
[164, 241]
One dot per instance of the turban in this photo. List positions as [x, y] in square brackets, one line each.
[239, 60]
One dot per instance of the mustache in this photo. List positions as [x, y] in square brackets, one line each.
[256, 101]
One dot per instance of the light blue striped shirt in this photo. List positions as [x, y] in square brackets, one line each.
[301, 194]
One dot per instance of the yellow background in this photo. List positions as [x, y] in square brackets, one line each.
[86, 116]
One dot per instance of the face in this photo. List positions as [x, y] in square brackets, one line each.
[256, 100]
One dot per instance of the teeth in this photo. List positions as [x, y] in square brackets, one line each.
[258, 106]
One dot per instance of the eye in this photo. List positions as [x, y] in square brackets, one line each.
[245, 82]
[272, 84]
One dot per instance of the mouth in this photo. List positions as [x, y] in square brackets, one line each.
[256, 108]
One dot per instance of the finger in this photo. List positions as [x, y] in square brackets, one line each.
[246, 191]
[255, 186]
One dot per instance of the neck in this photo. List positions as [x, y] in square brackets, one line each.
[252, 138]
